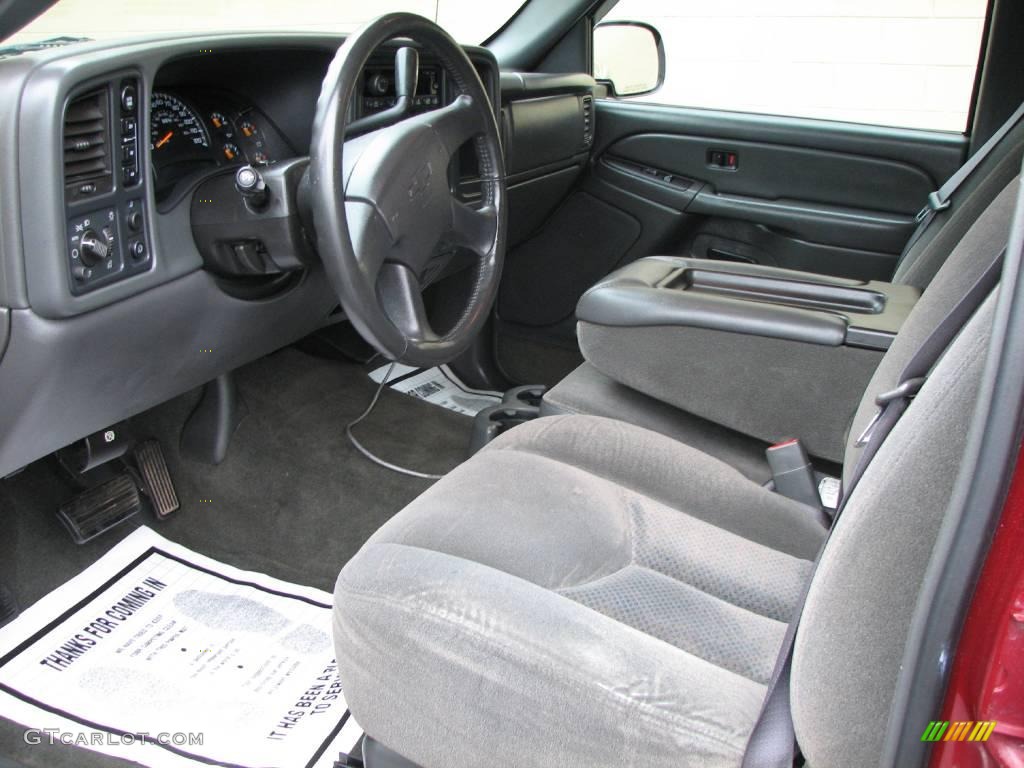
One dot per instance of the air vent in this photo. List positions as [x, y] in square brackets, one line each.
[87, 145]
[588, 120]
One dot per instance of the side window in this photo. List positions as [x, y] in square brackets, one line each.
[907, 63]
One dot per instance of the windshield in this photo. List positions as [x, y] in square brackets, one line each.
[468, 21]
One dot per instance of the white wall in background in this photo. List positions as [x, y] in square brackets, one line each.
[890, 62]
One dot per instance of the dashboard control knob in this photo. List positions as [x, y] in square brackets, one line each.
[93, 247]
[135, 221]
[80, 272]
[251, 186]
[380, 84]
[128, 98]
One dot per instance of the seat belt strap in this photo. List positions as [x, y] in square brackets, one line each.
[893, 403]
[772, 742]
[939, 200]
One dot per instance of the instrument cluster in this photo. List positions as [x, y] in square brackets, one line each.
[198, 131]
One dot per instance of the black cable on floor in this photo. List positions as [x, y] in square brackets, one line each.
[370, 455]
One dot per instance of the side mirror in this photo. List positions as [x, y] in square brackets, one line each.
[628, 57]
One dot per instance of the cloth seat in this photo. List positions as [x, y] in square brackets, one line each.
[592, 391]
[578, 559]
[584, 592]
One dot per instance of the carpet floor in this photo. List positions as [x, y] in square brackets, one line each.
[293, 498]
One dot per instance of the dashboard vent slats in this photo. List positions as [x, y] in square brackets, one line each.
[86, 138]
[587, 103]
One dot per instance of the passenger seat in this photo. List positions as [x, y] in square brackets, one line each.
[588, 390]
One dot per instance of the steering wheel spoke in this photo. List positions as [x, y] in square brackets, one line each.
[474, 228]
[401, 296]
[455, 124]
[370, 238]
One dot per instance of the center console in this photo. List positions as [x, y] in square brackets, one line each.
[768, 352]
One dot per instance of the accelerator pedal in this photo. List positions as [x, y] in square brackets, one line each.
[99, 509]
[156, 479]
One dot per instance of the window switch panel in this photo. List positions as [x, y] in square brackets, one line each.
[723, 159]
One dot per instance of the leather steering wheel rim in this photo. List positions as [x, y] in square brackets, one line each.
[382, 206]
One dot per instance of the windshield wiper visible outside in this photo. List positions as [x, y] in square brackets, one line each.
[53, 42]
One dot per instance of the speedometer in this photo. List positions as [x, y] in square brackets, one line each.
[177, 134]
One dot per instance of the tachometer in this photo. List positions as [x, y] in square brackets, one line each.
[176, 132]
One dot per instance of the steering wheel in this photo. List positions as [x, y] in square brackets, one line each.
[381, 203]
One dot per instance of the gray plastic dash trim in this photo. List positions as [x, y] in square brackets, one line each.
[63, 379]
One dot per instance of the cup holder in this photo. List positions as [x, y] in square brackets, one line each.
[529, 396]
[518, 406]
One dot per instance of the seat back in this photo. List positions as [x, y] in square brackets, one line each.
[923, 259]
[855, 622]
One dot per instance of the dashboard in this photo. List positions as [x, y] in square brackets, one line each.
[114, 294]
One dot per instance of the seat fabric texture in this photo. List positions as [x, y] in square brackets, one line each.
[583, 581]
[588, 391]
[588, 593]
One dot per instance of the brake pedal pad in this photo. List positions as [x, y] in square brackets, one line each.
[156, 479]
[99, 509]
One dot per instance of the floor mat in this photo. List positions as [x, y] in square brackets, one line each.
[293, 499]
[439, 386]
[162, 656]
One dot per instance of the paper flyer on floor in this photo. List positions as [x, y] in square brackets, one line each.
[163, 656]
[439, 386]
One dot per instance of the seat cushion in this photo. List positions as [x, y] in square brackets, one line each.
[588, 391]
[598, 591]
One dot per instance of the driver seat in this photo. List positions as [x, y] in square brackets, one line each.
[585, 592]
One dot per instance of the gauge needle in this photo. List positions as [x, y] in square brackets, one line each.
[166, 137]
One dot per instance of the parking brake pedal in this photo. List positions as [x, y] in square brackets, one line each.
[156, 479]
[99, 509]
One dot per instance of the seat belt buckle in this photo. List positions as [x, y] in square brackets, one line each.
[934, 205]
[906, 390]
[792, 473]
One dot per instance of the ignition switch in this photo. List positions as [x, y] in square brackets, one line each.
[250, 185]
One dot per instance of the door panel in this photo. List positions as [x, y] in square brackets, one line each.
[819, 196]
[827, 197]
[771, 171]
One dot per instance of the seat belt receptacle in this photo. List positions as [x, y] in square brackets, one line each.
[792, 472]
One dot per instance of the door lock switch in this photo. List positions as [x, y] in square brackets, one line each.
[723, 159]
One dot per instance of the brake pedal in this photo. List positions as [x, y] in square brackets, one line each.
[99, 509]
[156, 479]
